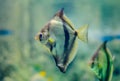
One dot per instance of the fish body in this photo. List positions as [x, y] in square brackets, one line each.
[62, 39]
[102, 63]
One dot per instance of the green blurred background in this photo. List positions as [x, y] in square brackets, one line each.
[24, 59]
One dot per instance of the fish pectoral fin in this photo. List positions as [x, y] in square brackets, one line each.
[51, 41]
[83, 33]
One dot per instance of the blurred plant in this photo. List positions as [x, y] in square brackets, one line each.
[41, 76]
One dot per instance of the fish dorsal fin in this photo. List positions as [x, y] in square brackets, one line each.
[60, 13]
[83, 33]
[68, 21]
[64, 18]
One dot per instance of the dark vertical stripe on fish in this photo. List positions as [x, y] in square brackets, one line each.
[66, 58]
[108, 70]
[67, 37]
[51, 47]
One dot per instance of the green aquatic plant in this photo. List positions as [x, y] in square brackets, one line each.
[101, 63]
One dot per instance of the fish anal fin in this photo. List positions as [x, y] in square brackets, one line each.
[62, 67]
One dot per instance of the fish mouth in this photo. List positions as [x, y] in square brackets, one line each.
[36, 37]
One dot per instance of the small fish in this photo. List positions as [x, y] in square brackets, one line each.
[101, 63]
[61, 37]
[110, 37]
[5, 32]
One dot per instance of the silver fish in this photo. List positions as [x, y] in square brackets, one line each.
[60, 36]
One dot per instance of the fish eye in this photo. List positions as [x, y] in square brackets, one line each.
[92, 65]
[40, 37]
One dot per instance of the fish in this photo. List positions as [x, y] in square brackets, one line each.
[4, 32]
[101, 63]
[110, 37]
[61, 37]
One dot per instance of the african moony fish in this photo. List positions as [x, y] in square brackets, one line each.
[101, 63]
[61, 37]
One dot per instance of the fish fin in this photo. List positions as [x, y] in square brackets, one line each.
[68, 21]
[51, 40]
[61, 14]
[83, 33]
[65, 18]
[62, 67]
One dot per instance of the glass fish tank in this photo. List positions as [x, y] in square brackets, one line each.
[69, 40]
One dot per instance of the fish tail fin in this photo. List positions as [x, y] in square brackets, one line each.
[83, 33]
